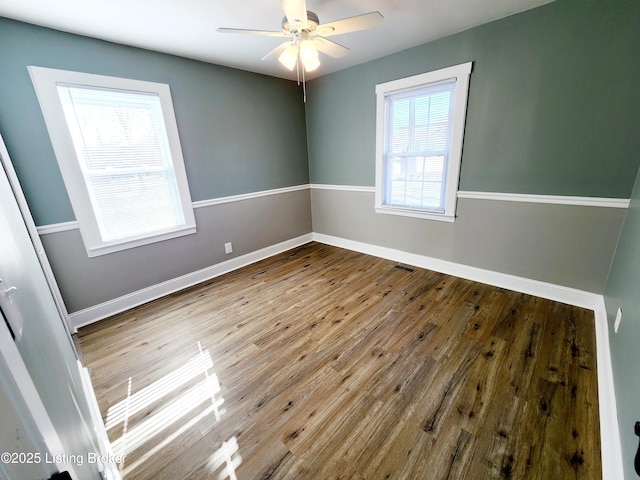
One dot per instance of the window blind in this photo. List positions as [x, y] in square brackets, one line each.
[123, 150]
[416, 146]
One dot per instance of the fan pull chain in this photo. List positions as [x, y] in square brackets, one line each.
[304, 88]
[298, 64]
[304, 83]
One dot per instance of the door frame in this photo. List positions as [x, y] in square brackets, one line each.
[14, 375]
[35, 238]
[26, 400]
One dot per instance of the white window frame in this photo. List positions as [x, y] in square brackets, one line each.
[459, 72]
[45, 81]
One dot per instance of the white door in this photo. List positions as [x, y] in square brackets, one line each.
[41, 359]
[23, 448]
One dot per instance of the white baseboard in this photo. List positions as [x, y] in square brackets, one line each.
[610, 446]
[609, 431]
[550, 291]
[103, 310]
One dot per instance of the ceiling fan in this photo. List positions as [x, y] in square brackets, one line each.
[307, 36]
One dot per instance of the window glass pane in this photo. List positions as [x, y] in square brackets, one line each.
[415, 182]
[399, 121]
[432, 122]
[129, 205]
[123, 150]
[417, 142]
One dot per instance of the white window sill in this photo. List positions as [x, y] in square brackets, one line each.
[415, 213]
[137, 242]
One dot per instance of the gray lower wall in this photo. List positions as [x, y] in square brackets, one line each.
[564, 245]
[249, 224]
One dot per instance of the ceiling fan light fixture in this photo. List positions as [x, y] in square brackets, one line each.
[311, 64]
[309, 55]
[306, 37]
[289, 57]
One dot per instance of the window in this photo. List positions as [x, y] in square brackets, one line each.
[419, 132]
[116, 141]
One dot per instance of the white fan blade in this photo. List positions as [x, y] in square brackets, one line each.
[351, 24]
[268, 33]
[329, 47]
[275, 53]
[295, 11]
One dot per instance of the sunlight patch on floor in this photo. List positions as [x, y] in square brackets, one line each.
[200, 399]
[228, 457]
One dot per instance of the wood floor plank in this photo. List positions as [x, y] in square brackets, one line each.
[322, 363]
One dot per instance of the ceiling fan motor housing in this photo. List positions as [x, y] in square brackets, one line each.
[311, 24]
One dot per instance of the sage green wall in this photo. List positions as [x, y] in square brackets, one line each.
[623, 290]
[240, 132]
[553, 110]
[553, 103]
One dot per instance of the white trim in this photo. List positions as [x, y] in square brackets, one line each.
[74, 225]
[553, 199]
[611, 450]
[34, 234]
[458, 114]
[108, 467]
[409, 83]
[131, 300]
[609, 431]
[45, 82]
[346, 188]
[58, 227]
[408, 212]
[504, 197]
[550, 291]
[26, 394]
[248, 196]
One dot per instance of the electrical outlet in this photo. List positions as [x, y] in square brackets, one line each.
[228, 248]
[616, 324]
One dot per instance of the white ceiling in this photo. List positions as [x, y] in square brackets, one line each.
[188, 27]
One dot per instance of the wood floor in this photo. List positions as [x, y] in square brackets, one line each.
[322, 363]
